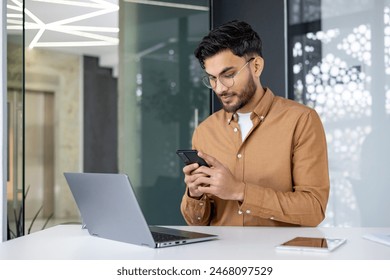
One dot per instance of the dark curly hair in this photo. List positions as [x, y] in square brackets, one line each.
[237, 36]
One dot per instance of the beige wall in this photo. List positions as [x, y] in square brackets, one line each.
[60, 74]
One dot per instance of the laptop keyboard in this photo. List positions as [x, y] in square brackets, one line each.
[164, 237]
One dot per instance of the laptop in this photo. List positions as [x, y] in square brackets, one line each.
[109, 209]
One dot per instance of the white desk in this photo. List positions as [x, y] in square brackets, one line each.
[234, 243]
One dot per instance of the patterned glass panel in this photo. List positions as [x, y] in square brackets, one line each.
[340, 66]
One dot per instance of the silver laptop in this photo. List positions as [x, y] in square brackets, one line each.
[109, 209]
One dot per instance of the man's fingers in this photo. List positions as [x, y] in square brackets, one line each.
[189, 168]
[191, 180]
[209, 159]
[203, 180]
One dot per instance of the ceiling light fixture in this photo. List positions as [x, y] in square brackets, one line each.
[33, 22]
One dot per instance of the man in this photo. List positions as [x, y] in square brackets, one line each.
[267, 155]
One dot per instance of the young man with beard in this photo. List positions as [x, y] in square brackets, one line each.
[267, 154]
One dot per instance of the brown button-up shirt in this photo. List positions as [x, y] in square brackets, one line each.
[282, 162]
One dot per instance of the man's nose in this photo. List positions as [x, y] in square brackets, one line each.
[219, 87]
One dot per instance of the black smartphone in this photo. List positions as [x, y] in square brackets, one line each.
[191, 156]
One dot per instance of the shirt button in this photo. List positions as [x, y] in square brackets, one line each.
[239, 156]
[239, 212]
[235, 129]
[198, 218]
[272, 218]
[201, 204]
[248, 211]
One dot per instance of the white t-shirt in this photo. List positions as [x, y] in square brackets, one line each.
[245, 123]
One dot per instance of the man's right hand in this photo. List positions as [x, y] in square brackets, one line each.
[190, 176]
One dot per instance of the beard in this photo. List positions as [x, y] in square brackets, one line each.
[243, 98]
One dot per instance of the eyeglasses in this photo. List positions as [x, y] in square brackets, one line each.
[226, 79]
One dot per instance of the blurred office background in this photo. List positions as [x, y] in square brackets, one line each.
[113, 86]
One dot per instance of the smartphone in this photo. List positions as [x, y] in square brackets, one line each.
[191, 156]
[312, 244]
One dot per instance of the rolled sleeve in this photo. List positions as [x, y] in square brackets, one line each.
[196, 211]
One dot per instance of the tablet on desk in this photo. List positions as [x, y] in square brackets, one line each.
[312, 244]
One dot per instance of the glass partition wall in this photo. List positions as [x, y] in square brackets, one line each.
[15, 121]
[340, 66]
[161, 99]
[339, 57]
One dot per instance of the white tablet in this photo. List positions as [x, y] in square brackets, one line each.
[312, 244]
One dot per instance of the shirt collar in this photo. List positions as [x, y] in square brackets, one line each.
[260, 111]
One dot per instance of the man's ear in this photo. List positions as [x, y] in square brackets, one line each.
[259, 65]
